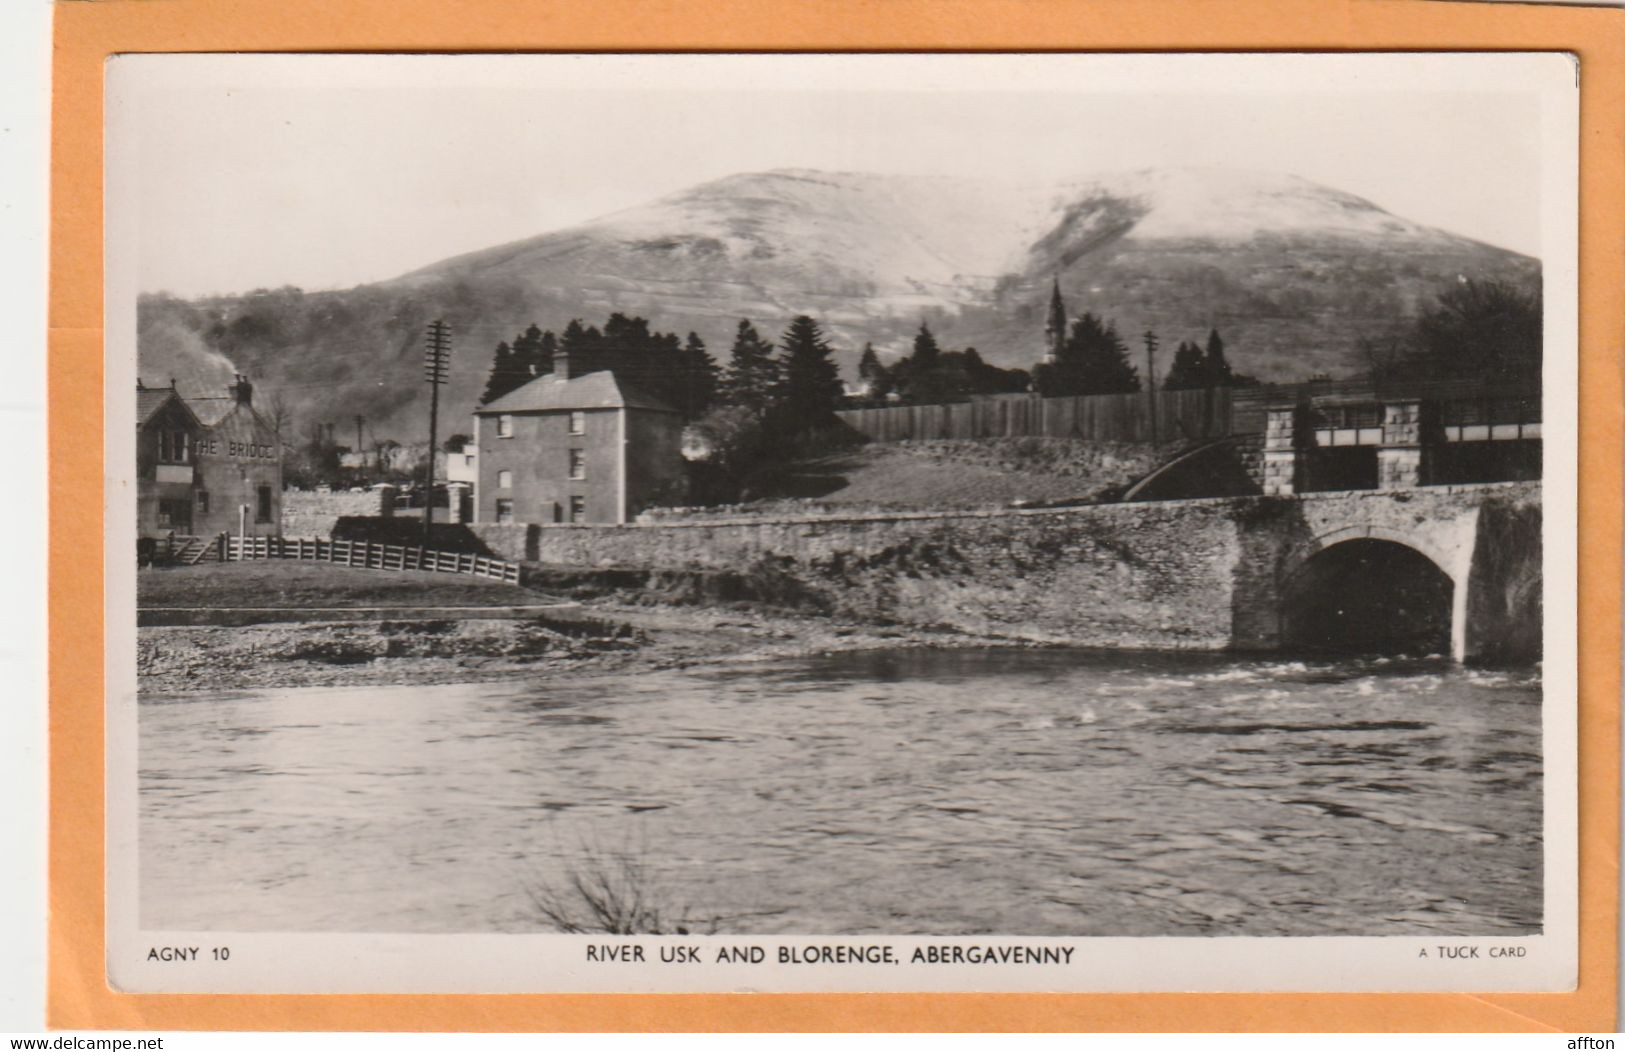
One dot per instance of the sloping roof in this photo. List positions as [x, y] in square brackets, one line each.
[211, 410]
[149, 400]
[600, 390]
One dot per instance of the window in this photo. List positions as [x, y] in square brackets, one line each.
[203, 502]
[578, 509]
[505, 425]
[578, 422]
[262, 511]
[578, 463]
[175, 513]
[504, 510]
[504, 479]
[172, 447]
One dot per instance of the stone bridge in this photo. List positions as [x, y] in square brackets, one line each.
[1452, 569]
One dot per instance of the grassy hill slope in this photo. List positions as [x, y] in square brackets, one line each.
[947, 474]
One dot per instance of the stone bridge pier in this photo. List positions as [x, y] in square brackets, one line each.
[1455, 566]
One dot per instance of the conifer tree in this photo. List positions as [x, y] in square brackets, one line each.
[544, 352]
[923, 377]
[1219, 373]
[527, 349]
[582, 344]
[697, 377]
[926, 351]
[1189, 371]
[875, 376]
[752, 375]
[809, 389]
[1106, 367]
[502, 378]
[1093, 361]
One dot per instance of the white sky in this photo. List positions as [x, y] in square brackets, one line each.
[324, 171]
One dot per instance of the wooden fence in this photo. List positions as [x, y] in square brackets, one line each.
[1180, 416]
[370, 555]
[1187, 416]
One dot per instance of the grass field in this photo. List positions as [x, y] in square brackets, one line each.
[287, 582]
[927, 475]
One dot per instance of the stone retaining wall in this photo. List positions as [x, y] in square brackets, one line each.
[1177, 574]
[306, 513]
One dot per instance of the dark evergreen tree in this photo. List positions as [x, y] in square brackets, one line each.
[983, 378]
[582, 345]
[752, 375]
[658, 368]
[1093, 361]
[697, 378]
[1106, 365]
[544, 352]
[1219, 373]
[877, 379]
[926, 351]
[1189, 371]
[505, 376]
[527, 352]
[809, 388]
[922, 378]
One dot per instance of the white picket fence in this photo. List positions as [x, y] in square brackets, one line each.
[370, 555]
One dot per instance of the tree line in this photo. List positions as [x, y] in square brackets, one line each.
[680, 373]
[928, 375]
[796, 381]
[768, 401]
[1487, 330]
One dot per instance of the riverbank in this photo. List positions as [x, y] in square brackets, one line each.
[589, 639]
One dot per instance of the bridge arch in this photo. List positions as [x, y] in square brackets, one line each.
[1373, 587]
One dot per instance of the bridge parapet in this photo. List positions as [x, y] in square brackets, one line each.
[1359, 437]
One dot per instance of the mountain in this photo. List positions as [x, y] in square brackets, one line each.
[1292, 272]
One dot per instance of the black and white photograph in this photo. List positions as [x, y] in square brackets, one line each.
[841, 522]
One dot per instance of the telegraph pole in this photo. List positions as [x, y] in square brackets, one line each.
[436, 358]
[1151, 380]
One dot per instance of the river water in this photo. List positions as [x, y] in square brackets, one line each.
[1006, 791]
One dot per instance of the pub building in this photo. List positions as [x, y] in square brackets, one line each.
[205, 465]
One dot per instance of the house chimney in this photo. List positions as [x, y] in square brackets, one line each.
[242, 390]
[561, 364]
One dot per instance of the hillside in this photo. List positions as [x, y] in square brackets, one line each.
[942, 474]
[1292, 272]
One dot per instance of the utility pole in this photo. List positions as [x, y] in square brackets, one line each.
[1151, 380]
[359, 420]
[436, 359]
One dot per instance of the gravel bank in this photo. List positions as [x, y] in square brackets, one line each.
[609, 639]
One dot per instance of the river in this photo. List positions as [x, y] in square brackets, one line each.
[1038, 791]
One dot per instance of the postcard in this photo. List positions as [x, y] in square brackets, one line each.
[1012, 522]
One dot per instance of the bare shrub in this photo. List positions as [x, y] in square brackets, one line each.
[607, 890]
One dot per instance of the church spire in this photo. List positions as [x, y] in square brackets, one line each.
[1055, 328]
